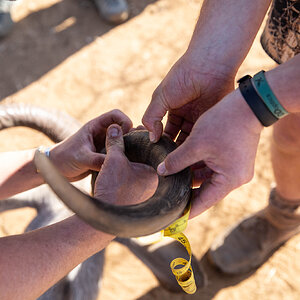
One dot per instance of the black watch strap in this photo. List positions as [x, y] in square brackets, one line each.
[255, 102]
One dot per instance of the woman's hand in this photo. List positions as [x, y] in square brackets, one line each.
[80, 153]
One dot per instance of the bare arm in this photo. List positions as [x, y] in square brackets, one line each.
[225, 32]
[222, 38]
[32, 262]
[17, 173]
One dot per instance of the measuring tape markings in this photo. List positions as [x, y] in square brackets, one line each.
[183, 275]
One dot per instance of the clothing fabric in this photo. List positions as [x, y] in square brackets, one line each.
[281, 36]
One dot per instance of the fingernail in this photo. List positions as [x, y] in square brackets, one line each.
[161, 169]
[113, 132]
[151, 137]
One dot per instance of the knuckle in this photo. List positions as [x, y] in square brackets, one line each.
[248, 176]
[192, 146]
[164, 96]
[161, 95]
[156, 94]
[96, 161]
[115, 144]
[117, 112]
[146, 120]
[243, 178]
[88, 126]
[171, 164]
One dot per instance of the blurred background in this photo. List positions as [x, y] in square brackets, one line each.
[61, 54]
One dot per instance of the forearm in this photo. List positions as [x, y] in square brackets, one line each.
[17, 173]
[225, 32]
[33, 262]
[284, 82]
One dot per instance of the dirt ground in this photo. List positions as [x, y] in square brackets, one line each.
[61, 55]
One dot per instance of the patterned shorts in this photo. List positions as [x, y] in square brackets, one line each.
[281, 36]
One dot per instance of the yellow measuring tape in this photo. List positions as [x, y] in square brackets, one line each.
[184, 274]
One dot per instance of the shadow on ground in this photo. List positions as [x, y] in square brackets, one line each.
[216, 281]
[44, 39]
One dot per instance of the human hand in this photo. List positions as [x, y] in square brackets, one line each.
[224, 141]
[191, 87]
[119, 180]
[80, 153]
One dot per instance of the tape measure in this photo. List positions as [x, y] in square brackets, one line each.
[183, 274]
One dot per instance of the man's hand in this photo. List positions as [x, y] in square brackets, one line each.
[121, 181]
[224, 142]
[79, 154]
[190, 88]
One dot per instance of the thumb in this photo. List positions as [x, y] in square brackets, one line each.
[114, 142]
[181, 158]
[154, 115]
[114, 139]
[210, 192]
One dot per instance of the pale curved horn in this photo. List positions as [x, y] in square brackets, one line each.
[53, 123]
[163, 208]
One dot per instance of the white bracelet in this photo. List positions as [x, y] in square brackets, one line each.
[44, 150]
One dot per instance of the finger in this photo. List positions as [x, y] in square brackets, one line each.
[211, 192]
[182, 157]
[181, 137]
[186, 129]
[198, 165]
[154, 115]
[79, 177]
[112, 117]
[94, 161]
[173, 125]
[114, 143]
[140, 127]
[201, 175]
[114, 139]
[115, 159]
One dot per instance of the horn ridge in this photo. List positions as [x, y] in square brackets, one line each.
[55, 124]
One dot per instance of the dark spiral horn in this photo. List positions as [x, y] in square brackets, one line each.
[164, 207]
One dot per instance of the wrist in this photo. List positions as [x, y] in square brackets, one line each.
[205, 63]
[56, 155]
[246, 115]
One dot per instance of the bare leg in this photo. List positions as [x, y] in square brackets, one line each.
[285, 155]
